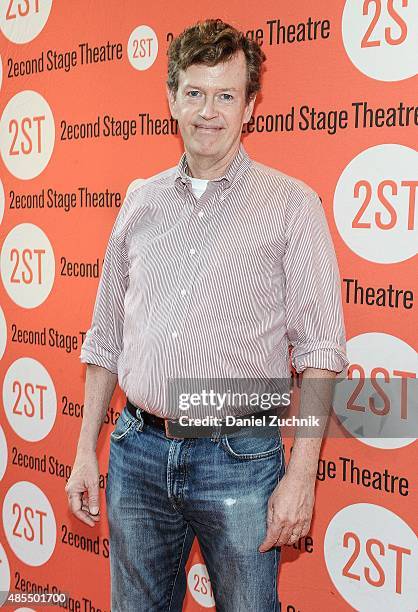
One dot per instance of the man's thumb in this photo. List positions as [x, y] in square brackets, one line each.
[93, 493]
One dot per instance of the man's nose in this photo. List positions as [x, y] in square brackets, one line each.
[208, 110]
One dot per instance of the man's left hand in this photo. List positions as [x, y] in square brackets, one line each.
[289, 510]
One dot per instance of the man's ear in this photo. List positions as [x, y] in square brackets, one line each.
[249, 109]
[171, 101]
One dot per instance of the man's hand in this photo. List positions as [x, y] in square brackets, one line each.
[289, 510]
[84, 479]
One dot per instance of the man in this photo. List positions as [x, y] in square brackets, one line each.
[213, 267]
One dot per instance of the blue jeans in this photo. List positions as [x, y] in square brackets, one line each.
[161, 493]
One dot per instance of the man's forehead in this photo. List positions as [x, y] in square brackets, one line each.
[228, 74]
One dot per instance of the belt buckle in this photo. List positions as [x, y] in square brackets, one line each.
[167, 433]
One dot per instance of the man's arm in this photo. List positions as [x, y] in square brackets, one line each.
[99, 388]
[316, 395]
[101, 349]
[315, 329]
[290, 507]
[98, 391]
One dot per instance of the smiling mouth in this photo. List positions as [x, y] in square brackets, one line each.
[206, 128]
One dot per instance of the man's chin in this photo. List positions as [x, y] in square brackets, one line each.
[211, 147]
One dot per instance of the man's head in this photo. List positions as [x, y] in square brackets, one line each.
[214, 74]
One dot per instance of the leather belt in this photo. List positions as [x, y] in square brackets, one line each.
[156, 421]
[163, 424]
[151, 419]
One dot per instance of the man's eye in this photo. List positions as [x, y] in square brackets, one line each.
[193, 93]
[227, 97]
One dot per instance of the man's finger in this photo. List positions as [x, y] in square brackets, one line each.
[285, 535]
[93, 497]
[272, 535]
[293, 539]
[75, 503]
[85, 517]
[85, 508]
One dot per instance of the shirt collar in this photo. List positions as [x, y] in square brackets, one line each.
[235, 170]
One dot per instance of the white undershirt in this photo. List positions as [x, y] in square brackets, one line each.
[199, 186]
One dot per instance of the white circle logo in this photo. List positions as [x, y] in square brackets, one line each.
[4, 575]
[377, 402]
[27, 265]
[29, 399]
[375, 204]
[3, 333]
[27, 135]
[21, 21]
[142, 47]
[381, 37]
[199, 585]
[29, 523]
[3, 454]
[371, 557]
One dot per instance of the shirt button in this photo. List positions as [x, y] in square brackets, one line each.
[192, 251]
[183, 292]
[174, 334]
[201, 214]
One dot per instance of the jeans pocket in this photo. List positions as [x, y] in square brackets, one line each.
[244, 446]
[125, 424]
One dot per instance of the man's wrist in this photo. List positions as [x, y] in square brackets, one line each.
[305, 476]
[86, 447]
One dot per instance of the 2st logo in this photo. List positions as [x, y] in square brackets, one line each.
[27, 135]
[29, 399]
[22, 20]
[199, 584]
[375, 203]
[398, 23]
[371, 556]
[19, 8]
[380, 37]
[385, 186]
[142, 47]
[29, 523]
[373, 549]
[27, 265]
[377, 402]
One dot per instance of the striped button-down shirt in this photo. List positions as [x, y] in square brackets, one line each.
[216, 287]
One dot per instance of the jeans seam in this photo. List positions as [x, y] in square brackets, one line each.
[178, 568]
[186, 473]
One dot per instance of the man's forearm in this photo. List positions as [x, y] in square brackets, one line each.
[99, 387]
[316, 395]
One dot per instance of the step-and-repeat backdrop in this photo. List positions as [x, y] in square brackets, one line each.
[83, 120]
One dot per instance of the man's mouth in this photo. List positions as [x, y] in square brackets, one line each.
[208, 128]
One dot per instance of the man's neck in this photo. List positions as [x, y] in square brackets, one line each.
[208, 168]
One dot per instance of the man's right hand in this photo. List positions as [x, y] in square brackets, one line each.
[82, 488]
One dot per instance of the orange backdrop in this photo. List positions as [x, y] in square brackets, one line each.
[84, 115]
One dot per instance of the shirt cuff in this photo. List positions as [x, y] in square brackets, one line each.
[98, 356]
[323, 358]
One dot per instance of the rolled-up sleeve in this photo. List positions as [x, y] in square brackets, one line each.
[103, 342]
[314, 314]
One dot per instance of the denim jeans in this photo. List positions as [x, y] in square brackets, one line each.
[161, 493]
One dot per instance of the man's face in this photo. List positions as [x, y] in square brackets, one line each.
[210, 107]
